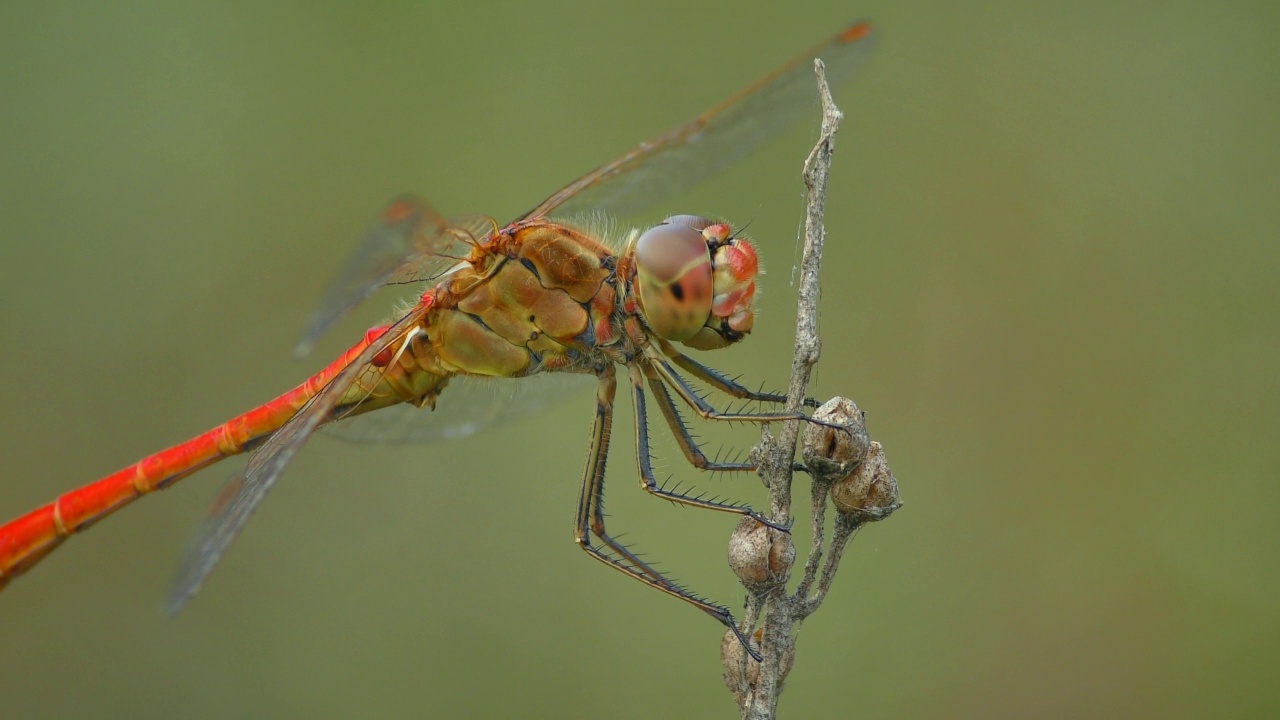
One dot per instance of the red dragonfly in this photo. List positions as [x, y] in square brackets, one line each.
[534, 296]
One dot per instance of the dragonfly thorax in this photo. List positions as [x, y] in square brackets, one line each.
[695, 282]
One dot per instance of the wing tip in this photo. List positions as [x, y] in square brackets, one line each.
[859, 30]
[178, 598]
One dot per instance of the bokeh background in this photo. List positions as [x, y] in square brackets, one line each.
[1052, 282]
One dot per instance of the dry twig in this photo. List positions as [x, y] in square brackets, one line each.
[842, 462]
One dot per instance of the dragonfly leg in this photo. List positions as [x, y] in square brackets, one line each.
[660, 374]
[705, 409]
[720, 381]
[692, 451]
[650, 484]
[591, 498]
[590, 519]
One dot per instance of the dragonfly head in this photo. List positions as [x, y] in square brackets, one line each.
[696, 282]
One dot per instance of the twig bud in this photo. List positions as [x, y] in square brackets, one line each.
[832, 449]
[870, 492]
[740, 673]
[760, 556]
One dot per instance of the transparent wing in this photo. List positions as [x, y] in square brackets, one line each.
[242, 494]
[697, 151]
[467, 405]
[411, 241]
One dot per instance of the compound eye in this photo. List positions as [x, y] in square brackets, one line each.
[673, 279]
[696, 222]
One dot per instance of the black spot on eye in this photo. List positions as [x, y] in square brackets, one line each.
[677, 291]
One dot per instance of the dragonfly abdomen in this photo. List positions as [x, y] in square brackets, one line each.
[23, 542]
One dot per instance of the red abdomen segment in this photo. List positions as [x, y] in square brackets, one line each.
[24, 541]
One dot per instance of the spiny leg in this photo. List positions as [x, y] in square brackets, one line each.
[591, 496]
[705, 409]
[685, 440]
[720, 381]
[590, 520]
[650, 484]
[692, 451]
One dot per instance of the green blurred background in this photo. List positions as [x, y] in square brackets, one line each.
[1051, 281]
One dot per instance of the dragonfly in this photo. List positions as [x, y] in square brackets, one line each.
[538, 295]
